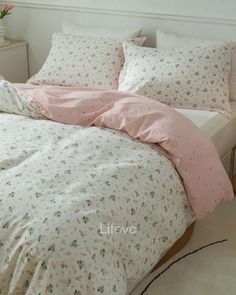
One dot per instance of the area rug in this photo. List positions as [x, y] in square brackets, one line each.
[206, 266]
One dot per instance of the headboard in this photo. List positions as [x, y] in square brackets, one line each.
[35, 21]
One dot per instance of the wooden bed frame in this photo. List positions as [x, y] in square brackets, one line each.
[177, 247]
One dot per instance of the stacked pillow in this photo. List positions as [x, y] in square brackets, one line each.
[124, 34]
[190, 77]
[169, 40]
[181, 72]
[85, 58]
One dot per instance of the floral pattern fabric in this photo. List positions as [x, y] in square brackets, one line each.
[194, 77]
[83, 61]
[59, 184]
[170, 40]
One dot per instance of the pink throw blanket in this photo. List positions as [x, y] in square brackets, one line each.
[193, 155]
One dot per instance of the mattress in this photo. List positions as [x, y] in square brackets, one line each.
[216, 126]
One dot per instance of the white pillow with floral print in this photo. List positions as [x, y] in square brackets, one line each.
[170, 40]
[191, 77]
[83, 61]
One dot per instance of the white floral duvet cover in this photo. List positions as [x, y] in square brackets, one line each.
[83, 210]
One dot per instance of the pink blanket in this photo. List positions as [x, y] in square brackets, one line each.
[193, 155]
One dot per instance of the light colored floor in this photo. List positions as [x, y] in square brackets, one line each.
[211, 271]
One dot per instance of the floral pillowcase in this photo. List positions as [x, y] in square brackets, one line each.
[171, 40]
[190, 77]
[83, 61]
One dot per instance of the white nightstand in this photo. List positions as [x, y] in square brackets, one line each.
[14, 61]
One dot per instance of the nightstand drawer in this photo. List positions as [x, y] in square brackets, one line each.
[14, 62]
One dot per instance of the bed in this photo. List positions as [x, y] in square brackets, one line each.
[102, 180]
[60, 185]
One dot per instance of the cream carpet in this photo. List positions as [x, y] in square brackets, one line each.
[209, 271]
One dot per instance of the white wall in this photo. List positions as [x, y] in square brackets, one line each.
[35, 21]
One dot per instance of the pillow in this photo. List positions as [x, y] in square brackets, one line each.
[69, 28]
[83, 61]
[169, 40]
[188, 77]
